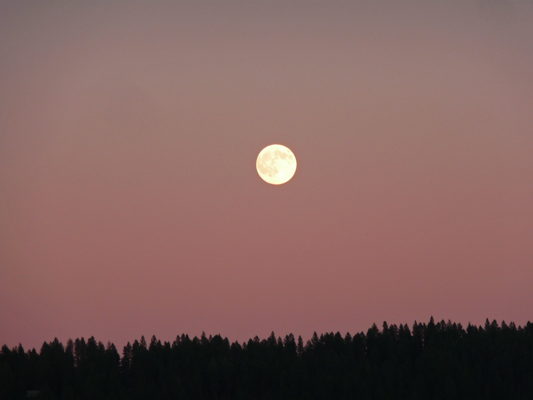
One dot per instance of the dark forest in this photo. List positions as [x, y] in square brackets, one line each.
[439, 360]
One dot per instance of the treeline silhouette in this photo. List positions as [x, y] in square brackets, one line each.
[428, 361]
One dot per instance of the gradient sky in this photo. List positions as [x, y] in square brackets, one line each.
[129, 200]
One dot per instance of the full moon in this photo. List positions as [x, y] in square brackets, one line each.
[276, 164]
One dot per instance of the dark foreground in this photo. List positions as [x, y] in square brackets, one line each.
[430, 361]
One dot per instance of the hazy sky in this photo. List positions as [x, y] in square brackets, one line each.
[129, 200]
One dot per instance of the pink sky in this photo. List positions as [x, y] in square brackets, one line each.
[129, 200]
